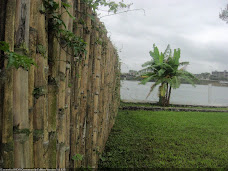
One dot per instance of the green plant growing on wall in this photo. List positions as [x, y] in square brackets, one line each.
[66, 37]
[14, 59]
[77, 157]
[41, 49]
[112, 5]
[166, 73]
[55, 24]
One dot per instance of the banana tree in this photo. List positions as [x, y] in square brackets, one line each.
[166, 72]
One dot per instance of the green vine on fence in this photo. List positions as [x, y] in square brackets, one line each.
[58, 26]
[14, 59]
[66, 37]
[112, 5]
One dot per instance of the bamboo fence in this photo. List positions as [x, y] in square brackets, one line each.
[65, 106]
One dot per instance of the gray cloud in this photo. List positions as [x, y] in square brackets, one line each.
[193, 26]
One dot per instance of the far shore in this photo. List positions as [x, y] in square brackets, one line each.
[201, 82]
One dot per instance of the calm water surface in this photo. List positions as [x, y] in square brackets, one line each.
[186, 94]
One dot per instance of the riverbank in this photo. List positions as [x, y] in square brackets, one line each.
[172, 107]
[217, 83]
[167, 139]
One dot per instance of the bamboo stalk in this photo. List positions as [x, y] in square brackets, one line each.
[96, 102]
[90, 103]
[102, 96]
[21, 115]
[61, 120]
[53, 81]
[3, 5]
[68, 92]
[31, 75]
[7, 118]
[76, 80]
[84, 82]
[77, 89]
[40, 126]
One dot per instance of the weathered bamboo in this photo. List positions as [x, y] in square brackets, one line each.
[106, 91]
[2, 38]
[77, 75]
[68, 91]
[67, 104]
[73, 98]
[31, 75]
[90, 99]
[84, 83]
[61, 122]
[102, 95]
[7, 118]
[53, 82]
[40, 93]
[96, 100]
[20, 109]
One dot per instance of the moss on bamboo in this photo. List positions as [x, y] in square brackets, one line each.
[37, 134]
[16, 130]
[52, 150]
[39, 91]
[41, 50]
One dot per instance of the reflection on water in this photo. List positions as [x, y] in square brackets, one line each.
[186, 94]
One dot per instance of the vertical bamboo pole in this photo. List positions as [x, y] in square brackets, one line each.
[2, 38]
[106, 90]
[77, 77]
[53, 82]
[96, 100]
[102, 95]
[68, 90]
[90, 103]
[84, 83]
[110, 91]
[61, 121]
[21, 115]
[7, 118]
[73, 102]
[40, 136]
[73, 97]
[32, 48]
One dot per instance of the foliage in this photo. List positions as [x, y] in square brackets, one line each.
[14, 59]
[165, 71]
[41, 49]
[38, 91]
[112, 5]
[77, 157]
[224, 14]
[57, 25]
[145, 139]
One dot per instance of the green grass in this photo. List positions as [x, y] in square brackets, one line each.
[146, 139]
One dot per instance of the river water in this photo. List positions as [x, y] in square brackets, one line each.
[186, 94]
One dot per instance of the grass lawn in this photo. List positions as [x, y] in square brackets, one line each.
[148, 139]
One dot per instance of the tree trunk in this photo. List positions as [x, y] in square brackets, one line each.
[170, 88]
[161, 98]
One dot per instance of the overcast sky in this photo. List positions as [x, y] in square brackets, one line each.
[193, 26]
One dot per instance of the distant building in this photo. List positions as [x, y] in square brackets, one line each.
[144, 71]
[203, 76]
[132, 72]
[220, 75]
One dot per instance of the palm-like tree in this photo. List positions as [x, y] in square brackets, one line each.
[166, 72]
